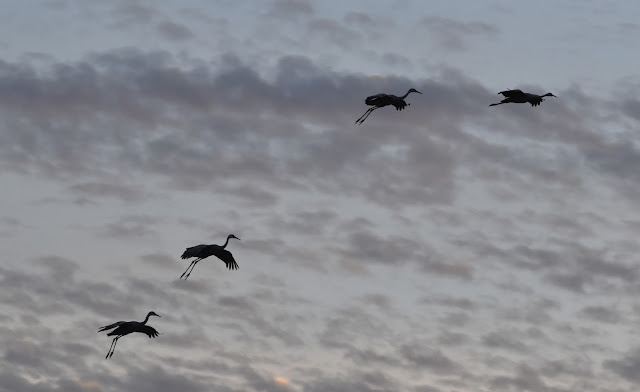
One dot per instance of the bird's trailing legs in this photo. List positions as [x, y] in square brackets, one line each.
[191, 266]
[112, 347]
[366, 114]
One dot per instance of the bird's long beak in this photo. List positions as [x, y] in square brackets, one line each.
[418, 92]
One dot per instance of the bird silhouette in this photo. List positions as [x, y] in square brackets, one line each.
[381, 100]
[517, 96]
[203, 251]
[127, 327]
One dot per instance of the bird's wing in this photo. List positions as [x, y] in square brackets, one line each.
[534, 100]
[227, 257]
[375, 99]
[511, 93]
[149, 331]
[399, 103]
[108, 327]
[194, 251]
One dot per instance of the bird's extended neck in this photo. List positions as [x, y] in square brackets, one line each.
[146, 318]
[226, 242]
[407, 94]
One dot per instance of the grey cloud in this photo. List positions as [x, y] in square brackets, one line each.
[259, 382]
[425, 357]
[526, 378]
[458, 270]
[289, 9]
[160, 260]
[353, 381]
[10, 226]
[380, 301]
[251, 314]
[130, 227]
[97, 190]
[537, 312]
[393, 251]
[142, 89]
[452, 34]
[570, 281]
[53, 288]
[304, 222]
[454, 302]
[238, 303]
[350, 326]
[131, 14]
[457, 319]
[453, 339]
[396, 60]
[426, 388]
[174, 31]
[505, 339]
[578, 366]
[396, 251]
[157, 379]
[369, 357]
[359, 18]
[603, 314]
[627, 367]
[335, 33]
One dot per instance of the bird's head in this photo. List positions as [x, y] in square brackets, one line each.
[153, 314]
[549, 95]
[413, 90]
[232, 236]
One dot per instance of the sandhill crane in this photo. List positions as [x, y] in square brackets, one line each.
[381, 100]
[203, 251]
[517, 96]
[127, 327]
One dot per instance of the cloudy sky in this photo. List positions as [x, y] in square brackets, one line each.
[450, 247]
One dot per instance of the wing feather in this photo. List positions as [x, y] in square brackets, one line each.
[375, 99]
[108, 327]
[194, 251]
[227, 257]
[149, 331]
[511, 93]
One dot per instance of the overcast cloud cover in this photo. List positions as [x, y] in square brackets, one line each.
[450, 247]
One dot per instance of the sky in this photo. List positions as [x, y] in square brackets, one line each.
[449, 247]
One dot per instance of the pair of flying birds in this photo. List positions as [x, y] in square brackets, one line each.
[123, 328]
[381, 100]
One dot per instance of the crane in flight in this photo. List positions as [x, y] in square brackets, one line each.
[203, 251]
[127, 327]
[381, 100]
[518, 96]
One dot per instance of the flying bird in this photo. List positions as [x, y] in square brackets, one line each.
[127, 327]
[381, 100]
[203, 251]
[517, 96]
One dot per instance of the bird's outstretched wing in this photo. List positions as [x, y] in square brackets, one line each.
[375, 99]
[511, 93]
[400, 104]
[535, 100]
[227, 257]
[194, 251]
[149, 331]
[108, 327]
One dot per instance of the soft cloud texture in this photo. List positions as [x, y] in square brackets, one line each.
[447, 247]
